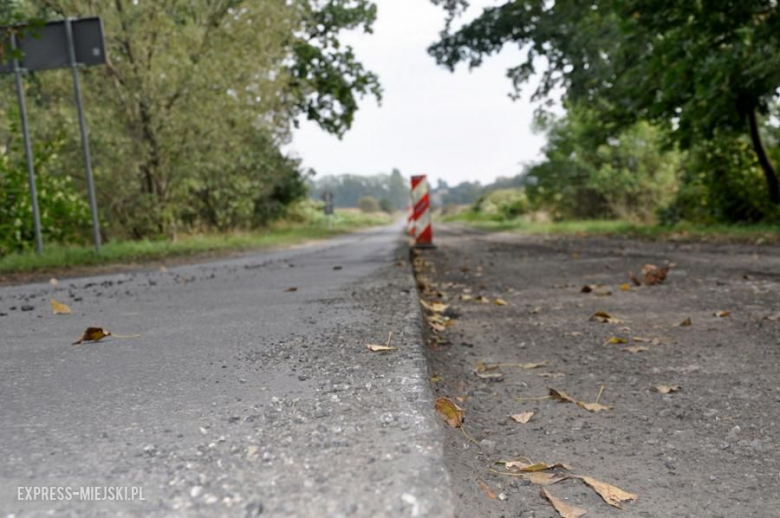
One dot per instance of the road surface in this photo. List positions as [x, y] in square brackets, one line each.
[242, 396]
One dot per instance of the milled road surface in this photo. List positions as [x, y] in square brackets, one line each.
[712, 449]
[240, 397]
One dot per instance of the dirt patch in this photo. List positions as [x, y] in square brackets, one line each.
[708, 449]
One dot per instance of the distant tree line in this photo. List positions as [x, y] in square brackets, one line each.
[389, 191]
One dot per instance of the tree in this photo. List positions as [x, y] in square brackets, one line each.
[368, 204]
[696, 68]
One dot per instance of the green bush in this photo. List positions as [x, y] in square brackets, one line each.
[368, 204]
[64, 211]
[386, 205]
[502, 203]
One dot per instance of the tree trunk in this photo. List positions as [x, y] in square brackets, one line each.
[769, 171]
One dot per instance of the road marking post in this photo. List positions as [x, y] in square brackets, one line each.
[423, 232]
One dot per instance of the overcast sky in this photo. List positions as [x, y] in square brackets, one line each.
[460, 126]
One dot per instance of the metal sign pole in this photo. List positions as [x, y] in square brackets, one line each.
[27, 149]
[84, 135]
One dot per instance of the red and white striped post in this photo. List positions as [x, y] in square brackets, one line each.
[410, 221]
[423, 231]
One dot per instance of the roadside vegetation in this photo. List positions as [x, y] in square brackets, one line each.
[304, 223]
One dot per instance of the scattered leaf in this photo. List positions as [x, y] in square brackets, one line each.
[616, 341]
[636, 349]
[551, 375]
[58, 308]
[586, 289]
[529, 467]
[452, 414]
[489, 492]
[337, 267]
[561, 396]
[603, 293]
[541, 478]
[593, 407]
[465, 298]
[490, 376]
[612, 495]
[576, 334]
[438, 307]
[374, 348]
[722, 314]
[54, 282]
[500, 302]
[687, 322]
[653, 275]
[292, 288]
[564, 509]
[436, 379]
[633, 279]
[625, 287]
[523, 417]
[605, 318]
[93, 334]
[642, 339]
[483, 300]
[666, 389]
[773, 318]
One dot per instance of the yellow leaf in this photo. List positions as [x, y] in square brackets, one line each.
[438, 307]
[93, 334]
[500, 302]
[561, 396]
[612, 495]
[636, 348]
[625, 287]
[604, 317]
[452, 414]
[593, 407]
[564, 509]
[616, 341]
[666, 389]
[380, 348]
[523, 417]
[436, 379]
[687, 322]
[58, 308]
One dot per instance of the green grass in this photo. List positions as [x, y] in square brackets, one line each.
[60, 257]
[682, 231]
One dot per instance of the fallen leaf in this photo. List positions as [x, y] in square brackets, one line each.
[465, 298]
[489, 492]
[773, 318]
[452, 414]
[438, 307]
[636, 349]
[374, 348]
[551, 375]
[616, 341]
[586, 289]
[604, 318]
[58, 308]
[54, 282]
[490, 376]
[436, 379]
[603, 293]
[541, 478]
[576, 334]
[437, 327]
[612, 495]
[653, 275]
[500, 302]
[292, 288]
[642, 339]
[564, 509]
[625, 287]
[593, 407]
[483, 300]
[722, 314]
[633, 279]
[687, 322]
[93, 334]
[666, 389]
[535, 311]
[530, 467]
[561, 396]
[337, 267]
[523, 417]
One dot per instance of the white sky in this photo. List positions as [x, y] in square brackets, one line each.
[455, 126]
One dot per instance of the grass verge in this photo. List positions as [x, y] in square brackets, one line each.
[59, 257]
[753, 233]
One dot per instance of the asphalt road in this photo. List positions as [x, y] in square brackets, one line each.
[239, 397]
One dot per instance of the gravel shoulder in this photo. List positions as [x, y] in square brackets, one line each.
[710, 449]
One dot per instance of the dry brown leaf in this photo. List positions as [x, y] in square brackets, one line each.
[576, 334]
[686, 323]
[452, 414]
[653, 275]
[483, 300]
[490, 376]
[292, 288]
[564, 509]
[625, 287]
[438, 307]
[586, 288]
[551, 374]
[605, 318]
[436, 379]
[374, 348]
[58, 308]
[437, 327]
[486, 489]
[634, 279]
[523, 417]
[541, 478]
[616, 341]
[636, 349]
[642, 339]
[666, 389]
[93, 334]
[722, 314]
[612, 495]
[593, 407]
[773, 318]
[500, 302]
[561, 396]
[465, 297]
